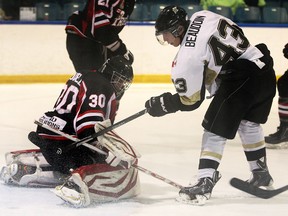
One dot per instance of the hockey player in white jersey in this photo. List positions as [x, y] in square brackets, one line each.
[216, 56]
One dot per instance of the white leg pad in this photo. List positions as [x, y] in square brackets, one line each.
[99, 183]
[24, 168]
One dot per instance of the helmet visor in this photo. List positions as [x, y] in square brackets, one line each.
[160, 34]
[160, 39]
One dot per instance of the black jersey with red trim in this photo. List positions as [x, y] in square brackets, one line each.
[101, 20]
[86, 98]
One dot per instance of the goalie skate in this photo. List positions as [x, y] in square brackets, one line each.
[14, 173]
[70, 196]
[29, 168]
[74, 192]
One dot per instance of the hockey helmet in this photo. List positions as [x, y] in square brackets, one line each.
[120, 73]
[285, 51]
[169, 20]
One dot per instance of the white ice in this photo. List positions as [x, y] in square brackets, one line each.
[169, 146]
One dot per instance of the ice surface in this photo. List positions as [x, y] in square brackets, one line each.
[169, 146]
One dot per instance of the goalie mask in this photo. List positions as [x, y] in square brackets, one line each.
[171, 19]
[120, 73]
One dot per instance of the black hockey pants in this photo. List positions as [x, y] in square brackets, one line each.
[246, 92]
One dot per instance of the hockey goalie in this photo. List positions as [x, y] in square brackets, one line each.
[113, 179]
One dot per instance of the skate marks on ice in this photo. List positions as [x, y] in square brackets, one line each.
[156, 145]
[152, 197]
[283, 145]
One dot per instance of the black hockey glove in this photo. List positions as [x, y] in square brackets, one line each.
[285, 51]
[122, 50]
[161, 105]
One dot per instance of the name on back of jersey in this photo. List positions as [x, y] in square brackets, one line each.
[77, 78]
[193, 31]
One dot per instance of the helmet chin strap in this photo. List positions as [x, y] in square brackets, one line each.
[179, 32]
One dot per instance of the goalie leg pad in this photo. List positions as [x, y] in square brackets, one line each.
[119, 149]
[99, 183]
[29, 168]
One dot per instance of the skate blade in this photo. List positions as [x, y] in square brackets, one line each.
[199, 201]
[283, 145]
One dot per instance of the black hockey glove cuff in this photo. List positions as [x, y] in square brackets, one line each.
[161, 105]
[285, 51]
[122, 50]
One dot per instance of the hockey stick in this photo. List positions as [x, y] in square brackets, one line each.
[95, 135]
[155, 175]
[256, 191]
[146, 171]
[58, 151]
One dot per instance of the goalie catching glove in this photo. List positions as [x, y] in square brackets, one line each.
[120, 152]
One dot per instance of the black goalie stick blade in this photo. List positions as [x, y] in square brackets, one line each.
[256, 191]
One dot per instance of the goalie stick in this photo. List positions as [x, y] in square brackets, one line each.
[95, 135]
[67, 136]
[146, 171]
[256, 191]
[155, 175]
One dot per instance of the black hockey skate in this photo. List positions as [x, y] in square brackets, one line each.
[260, 183]
[278, 139]
[200, 192]
[261, 177]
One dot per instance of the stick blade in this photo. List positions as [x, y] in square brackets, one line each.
[256, 191]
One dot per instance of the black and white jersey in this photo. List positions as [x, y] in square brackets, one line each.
[85, 99]
[101, 20]
[211, 41]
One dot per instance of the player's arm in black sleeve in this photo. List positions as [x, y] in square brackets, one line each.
[108, 33]
[110, 38]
